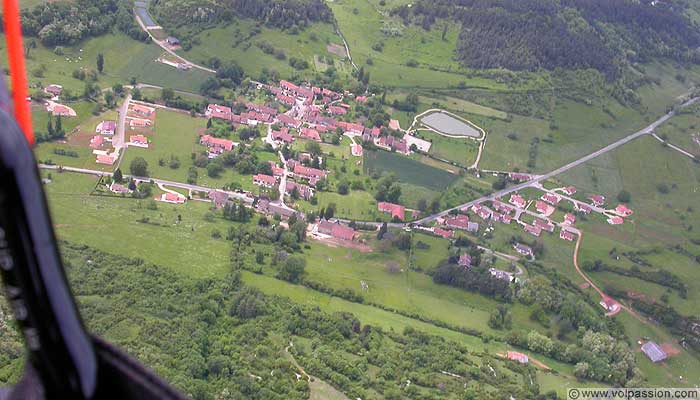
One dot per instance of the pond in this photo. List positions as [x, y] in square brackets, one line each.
[449, 125]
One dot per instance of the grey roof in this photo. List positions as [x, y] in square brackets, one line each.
[654, 352]
[472, 227]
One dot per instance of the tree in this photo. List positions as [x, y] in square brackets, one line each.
[117, 175]
[167, 94]
[330, 211]
[139, 167]
[292, 269]
[624, 196]
[100, 62]
[214, 169]
[136, 94]
[109, 98]
[343, 188]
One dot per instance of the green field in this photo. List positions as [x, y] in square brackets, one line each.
[461, 151]
[407, 170]
[234, 43]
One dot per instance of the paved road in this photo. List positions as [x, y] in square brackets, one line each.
[118, 139]
[612, 146]
[673, 146]
[186, 186]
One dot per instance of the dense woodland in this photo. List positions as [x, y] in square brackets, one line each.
[221, 339]
[285, 14]
[532, 34]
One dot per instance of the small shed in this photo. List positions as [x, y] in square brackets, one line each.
[654, 352]
[173, 41]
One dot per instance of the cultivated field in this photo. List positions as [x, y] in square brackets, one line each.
[407, 170]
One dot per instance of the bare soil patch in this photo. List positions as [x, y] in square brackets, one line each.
[337, 49]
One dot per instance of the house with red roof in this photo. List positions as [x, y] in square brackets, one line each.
[336, 230]
[569, 219]
[519, 177]
[443, 232]
[459, 221]
[517, 200]
[261, 108]
[174, 198]
[506, 218]
[597, 200]
[282, 135]
[396, 210]
[615, 220]
[138, 141]
[213, 142]
[551, 198]
[376, 132]
[502, 207]
[544, 225]
[533, 230]
[582, 208]
[356, 150]
[217, 111]
[276, 171]
[566, 235]
[311, 134]
[335, 110]
[569, 190]
[139, 122]
[609, 304]
[264, 180]
[361, 99]
[60, 110]
[541, 207]
[288, 121]
[519, 357]
[465, 260]
[96, 142]
[623, 210]
[308, 173]
[106, 128]
[482, 211]
[105, 159]
[284, 99]
[305, 192]
[142, 110]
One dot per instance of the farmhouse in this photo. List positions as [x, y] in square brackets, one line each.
[264, 206]
[119, 189]
[336, 230]
[654, 352]
[356, 150]
[517, 201]
[396, 210]
[443, 232]
[106, 127]
[174, 198]
[311, 134]
[609, 304]
[282, 135]
[465, 260]
[533, 230]
[569, 190]
[567, 235]
[623, 210]
[524, 250]
[550, 198]
[459, 221]
[519, 177]
[217, 111]
[305, 192]
[615, 220]
[143, 110]
[96, 142]
[60, 110]
[264, 180]
[519, 357]
[597, 200]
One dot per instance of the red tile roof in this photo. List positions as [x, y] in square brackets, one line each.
[395, 210]
[211, 141]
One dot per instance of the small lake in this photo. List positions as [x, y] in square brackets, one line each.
[449, 125]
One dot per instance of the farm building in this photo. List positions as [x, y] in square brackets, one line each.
[519, 357]
[609, 304]
[654, 352]
[615, 220]
[96, 142]
[264, 180]
[396, 210]
[622, 210]
[459, 221]
[173, 41]
[465, 260]
[336, 230]
[356, 150]
[60, 110]
[217, 111]
[304, 191]
[105, 159]
[143, 110]
[421, 144]
[218, 197]
[567, 235]
[443, 232]
[524, 250]
[173, 198]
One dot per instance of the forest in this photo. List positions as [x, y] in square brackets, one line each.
[285, 14]
[571, 34]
